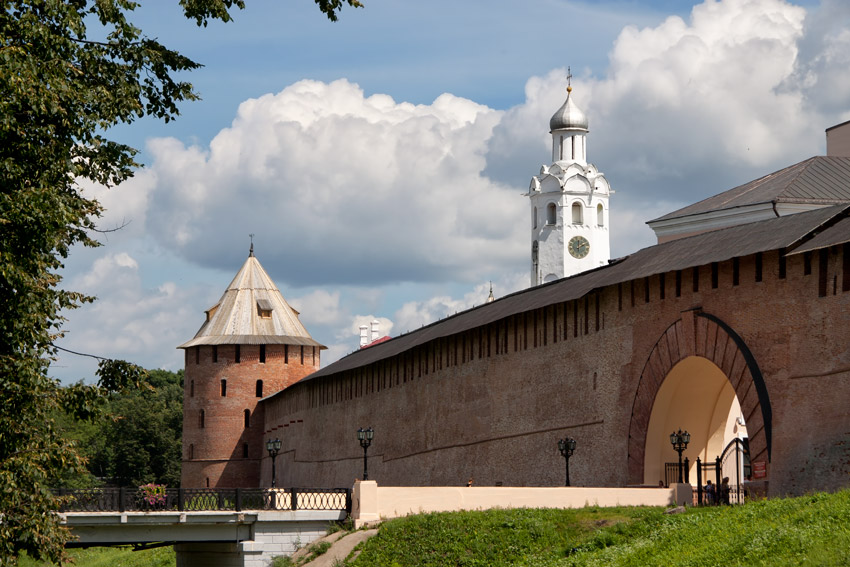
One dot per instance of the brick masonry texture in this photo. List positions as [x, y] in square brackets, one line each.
[490, 403]
[214, 453]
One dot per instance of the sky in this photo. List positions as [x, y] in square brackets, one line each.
[380, 161]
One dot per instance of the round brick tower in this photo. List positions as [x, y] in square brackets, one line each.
[251, 345]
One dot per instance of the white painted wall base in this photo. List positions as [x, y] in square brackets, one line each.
[371, 502]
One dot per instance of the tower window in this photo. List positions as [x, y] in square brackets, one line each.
[259, 392]
[244, 450]
[534, 217]
[264, 309]
[237, 358]
[262, 354]
[576, 208]
[192, 389]
[201, 419]
[600, 215]
[247, 414]
[191, 451]
[551, 214]
[224, 388]
[215, 353]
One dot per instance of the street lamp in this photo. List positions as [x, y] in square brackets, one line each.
[566, 447]
[273, 447]
[365, 437]
[680, 440]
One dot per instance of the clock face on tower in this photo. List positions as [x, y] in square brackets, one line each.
[578, 246]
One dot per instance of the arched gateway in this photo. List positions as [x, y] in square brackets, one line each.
[702, 355]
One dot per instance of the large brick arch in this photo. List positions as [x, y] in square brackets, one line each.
[706, 336]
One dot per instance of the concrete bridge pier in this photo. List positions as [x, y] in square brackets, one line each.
[269, 539]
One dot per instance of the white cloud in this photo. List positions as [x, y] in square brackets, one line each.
[319, 307]
[414, 314]
[342, 188]
[362, 200]
[128, 320]
[124, 207]
[691, 108]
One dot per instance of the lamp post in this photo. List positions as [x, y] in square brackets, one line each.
[566, 447]
[680, 440]
[365, 437]
[273, 447]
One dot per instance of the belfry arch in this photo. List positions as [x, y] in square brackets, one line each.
[698, 346]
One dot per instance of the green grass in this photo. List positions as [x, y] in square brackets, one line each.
[811, 530]
[114, 557]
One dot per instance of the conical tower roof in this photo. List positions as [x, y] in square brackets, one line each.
[252, 311]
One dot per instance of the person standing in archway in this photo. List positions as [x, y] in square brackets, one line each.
[710, 493]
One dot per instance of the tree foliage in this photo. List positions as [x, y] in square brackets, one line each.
[137, 440]
[69, 70]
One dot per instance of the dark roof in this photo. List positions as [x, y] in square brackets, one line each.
[701, 249]
[837, 234]
[820, 180]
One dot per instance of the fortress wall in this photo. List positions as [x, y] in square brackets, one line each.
[490, 403]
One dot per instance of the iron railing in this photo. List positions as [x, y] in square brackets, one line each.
[204, 499]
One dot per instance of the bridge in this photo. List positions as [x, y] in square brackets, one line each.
[248, 527]
[207, 527]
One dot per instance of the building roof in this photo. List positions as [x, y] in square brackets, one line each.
[568, 116]
[820, 180]
[830, 224]
[252, 311]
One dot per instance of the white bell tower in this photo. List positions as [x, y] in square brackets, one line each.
[569, 203]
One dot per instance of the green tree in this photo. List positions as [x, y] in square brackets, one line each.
[141, 442]
[69, 70]
[137, 439]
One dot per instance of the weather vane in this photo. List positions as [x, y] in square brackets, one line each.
[569, 79]
[251, 236]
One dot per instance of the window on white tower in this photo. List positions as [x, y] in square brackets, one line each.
[551, 214]
[600, 215]
[576, 213]
[534, 217]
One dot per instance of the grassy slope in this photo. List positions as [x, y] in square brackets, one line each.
[115, 557]
[812, 530]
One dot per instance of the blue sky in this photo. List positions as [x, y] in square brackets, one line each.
[380, 160]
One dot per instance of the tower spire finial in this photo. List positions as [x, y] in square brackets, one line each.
[569, 80]
[251, 251]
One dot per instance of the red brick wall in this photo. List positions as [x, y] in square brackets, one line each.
[215, 453]
[492, 402]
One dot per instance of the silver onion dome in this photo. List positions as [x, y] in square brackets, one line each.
[569, 116]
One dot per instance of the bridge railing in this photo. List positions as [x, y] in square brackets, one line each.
[205, 499]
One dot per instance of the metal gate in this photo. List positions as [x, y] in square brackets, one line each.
[726, 475]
